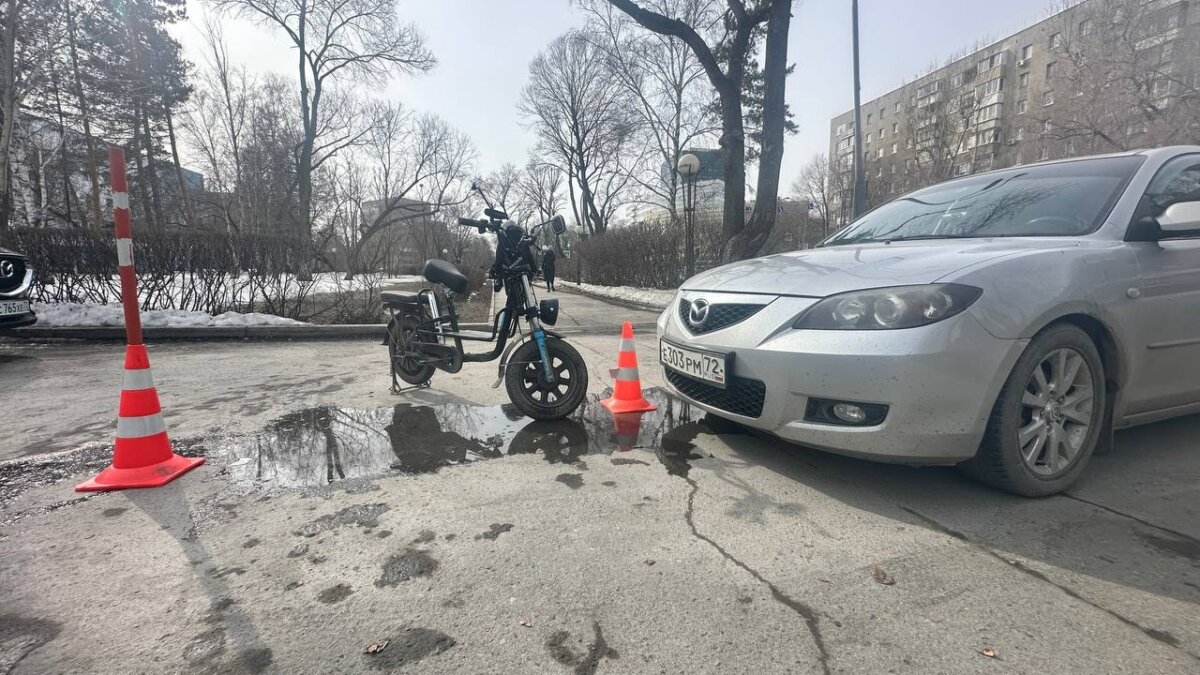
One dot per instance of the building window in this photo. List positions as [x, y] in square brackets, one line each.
[1135, 128]
[1173, 22]
[962, 169]
[1048, 98]
[879, 154]
[882, 113]
[990, 87]
[896, 108]
[1045, 154]
[1085, 27]
[1027, 52]
[894, 146]
[1161, 87]
[1056, 41]
[1046, 126]
[1021, 106]
[1023, 80]
[868, 118]
[895, 128]
[879, 172]
[1020, 135]
[988, 113]
[1050, 69]
[881, 134]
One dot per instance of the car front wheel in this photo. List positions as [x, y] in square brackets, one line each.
[1048, 418]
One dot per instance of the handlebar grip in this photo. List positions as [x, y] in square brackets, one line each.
[468, 222]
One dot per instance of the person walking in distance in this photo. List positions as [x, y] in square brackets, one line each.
[548, 267]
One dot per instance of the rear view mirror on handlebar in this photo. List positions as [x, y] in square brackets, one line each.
[558, 225]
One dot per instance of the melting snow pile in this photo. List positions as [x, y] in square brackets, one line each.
[75, 314]
[651, 297]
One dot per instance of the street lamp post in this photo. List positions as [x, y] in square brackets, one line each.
[860, 178]
[689, 167]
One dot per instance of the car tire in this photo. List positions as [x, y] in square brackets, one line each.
[1029, 399]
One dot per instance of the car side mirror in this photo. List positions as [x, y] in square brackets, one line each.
[1181, 219]
[558, 225]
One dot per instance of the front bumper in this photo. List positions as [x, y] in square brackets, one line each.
[938, 381]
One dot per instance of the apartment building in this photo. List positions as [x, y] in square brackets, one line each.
[1100, 76]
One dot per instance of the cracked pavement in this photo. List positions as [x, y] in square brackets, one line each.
[704, 550]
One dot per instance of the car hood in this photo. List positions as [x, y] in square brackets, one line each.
[9, 251]
[821, 272]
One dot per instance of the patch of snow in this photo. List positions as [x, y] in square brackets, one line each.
[75, 314]
[650, 297]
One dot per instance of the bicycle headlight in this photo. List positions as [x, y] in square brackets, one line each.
[888, 308]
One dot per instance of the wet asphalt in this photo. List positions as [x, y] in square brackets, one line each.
[338, 528]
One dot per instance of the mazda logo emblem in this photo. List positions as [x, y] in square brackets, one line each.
[7, 269]
[698, 312]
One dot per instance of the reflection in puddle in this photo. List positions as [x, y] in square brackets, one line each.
[327, 444]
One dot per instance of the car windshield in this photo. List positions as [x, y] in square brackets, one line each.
[1064, 199]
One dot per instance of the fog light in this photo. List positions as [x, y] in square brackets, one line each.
[848, 412]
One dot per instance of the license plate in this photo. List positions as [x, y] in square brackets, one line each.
[707, 366]
[13, 307]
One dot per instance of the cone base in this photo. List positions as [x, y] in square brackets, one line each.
[617, 406]
[154, 475]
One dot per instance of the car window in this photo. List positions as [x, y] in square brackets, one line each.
[1061, 199]
[1177, 181]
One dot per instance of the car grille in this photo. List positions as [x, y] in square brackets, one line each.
[719, 316]
[741, 396]
[14, 279]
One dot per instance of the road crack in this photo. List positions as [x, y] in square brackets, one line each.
[811, 620]
[1132, 517]
[1152, 633]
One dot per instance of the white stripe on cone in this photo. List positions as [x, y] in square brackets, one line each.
[626, 345]
[626, 374]
[137, 379]
[140, 427]
[124, 252]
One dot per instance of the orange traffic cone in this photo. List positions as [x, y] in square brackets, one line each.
[626, 427]
[143, 456]
[627, 390]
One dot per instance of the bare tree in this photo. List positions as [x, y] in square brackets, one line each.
[584, 125]
[724, 57]
[356, 39]
[413, 166]
[541, 187]
[816, 184]
[667, 84]
[941, 129]
[1116, 82]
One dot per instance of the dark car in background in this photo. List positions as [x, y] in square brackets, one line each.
[15, 279]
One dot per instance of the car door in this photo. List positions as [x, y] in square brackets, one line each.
[1165, 318]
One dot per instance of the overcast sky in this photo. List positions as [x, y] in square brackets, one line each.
[484, 48]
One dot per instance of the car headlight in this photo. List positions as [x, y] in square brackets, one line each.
[889, 308]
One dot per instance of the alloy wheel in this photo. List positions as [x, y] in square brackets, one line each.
[1056, 412]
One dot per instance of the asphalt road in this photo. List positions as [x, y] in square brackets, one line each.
[328, 519]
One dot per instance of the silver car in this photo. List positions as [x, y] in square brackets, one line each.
[1006, 322]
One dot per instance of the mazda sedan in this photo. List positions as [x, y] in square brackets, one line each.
[1006, 322]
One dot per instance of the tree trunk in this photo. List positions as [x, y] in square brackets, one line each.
[733, 139]
[188, 216]
[93, 168]
[143, 189]
[747, 243]
[8, 108]
[152, 165]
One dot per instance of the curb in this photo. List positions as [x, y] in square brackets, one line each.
[359, 331]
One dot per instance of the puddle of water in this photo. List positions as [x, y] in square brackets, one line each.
[318, 446]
